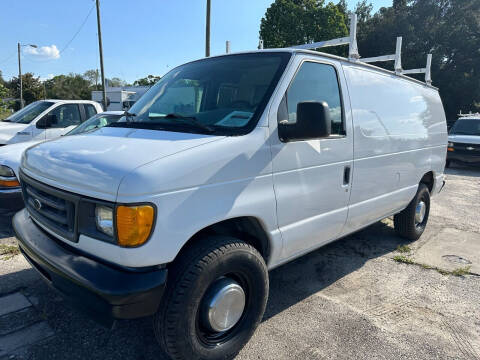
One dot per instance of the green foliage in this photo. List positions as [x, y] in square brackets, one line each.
[71, 86]
[115, 82]
[32, 88]
[149, 80]
[93, 78]
[293, 22]
[462, 271]
[404, 248]
[449, 29]
[403, 259]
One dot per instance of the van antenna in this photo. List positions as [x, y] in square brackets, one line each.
[350, 40]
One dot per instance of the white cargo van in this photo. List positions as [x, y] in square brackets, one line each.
[228, 167]
[45, 120]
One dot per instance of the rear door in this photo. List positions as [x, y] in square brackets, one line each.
[67, 117]
[312, 178]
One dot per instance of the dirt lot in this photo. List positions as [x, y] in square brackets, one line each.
[368, 296]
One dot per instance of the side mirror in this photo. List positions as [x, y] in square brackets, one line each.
[313, 122]
[47, 121]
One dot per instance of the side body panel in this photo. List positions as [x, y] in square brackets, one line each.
[400, 134]
[308, 177]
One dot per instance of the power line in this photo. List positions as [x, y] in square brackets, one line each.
[79, 29]
[8, 58]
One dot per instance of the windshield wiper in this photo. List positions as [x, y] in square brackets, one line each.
[129, 116]
[7, 120]
[191, 120]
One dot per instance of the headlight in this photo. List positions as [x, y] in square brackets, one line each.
[5, 171]
[134, 224]
[8, 178]
[450, 144]
[104, 219]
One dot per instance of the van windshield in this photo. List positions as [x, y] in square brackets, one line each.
[29, 112]
[466, 127]
[221, 95]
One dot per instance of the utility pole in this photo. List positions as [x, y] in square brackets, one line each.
[207, 30]
[20, 71]
[20, 76]
[101, 56]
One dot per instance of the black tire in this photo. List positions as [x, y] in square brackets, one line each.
[178, 323]
[405, 223]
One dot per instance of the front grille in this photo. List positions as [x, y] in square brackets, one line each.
[472, 149]
[54, 209]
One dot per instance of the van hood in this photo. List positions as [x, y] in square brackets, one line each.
[465, 139]
[94, 164]
[8, 130]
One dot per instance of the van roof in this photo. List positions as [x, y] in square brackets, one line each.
[335, 57]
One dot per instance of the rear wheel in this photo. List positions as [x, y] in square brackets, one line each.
[411, 222]
[215, 299]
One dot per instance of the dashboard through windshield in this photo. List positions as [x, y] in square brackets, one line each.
[222, 95]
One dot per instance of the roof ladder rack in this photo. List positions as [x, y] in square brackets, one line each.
[353, 54]
[427, 70]
[350, 40]
[397, 57]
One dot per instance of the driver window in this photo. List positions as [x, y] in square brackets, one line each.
[316, 82]
[67, 115]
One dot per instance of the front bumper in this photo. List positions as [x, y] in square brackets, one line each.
[103, 291]
[11, 200]
[462, 157]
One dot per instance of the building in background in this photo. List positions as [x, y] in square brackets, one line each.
[121, 97]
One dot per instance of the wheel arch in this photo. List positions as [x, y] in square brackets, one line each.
[247, 228]
[429, 180]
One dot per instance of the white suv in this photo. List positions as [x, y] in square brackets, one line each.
[227, 167]
[46, 119]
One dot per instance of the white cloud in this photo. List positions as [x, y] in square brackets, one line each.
[43, 52]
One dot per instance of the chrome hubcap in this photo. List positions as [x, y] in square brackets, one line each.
[420, 212]
[224, 305]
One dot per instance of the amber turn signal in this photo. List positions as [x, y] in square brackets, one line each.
[134, 224]
[9, 183]
[450, 149]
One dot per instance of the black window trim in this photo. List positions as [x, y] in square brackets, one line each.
[342, 104]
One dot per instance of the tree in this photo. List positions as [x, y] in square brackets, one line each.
[293, 22]
[149, 80]
[116, 82]
[31, 85]
[92, 77]
[449, 29]
[71, 86]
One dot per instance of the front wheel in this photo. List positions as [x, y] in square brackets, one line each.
[411, 222]
[215, 299]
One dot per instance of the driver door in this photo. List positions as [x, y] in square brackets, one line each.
[312, 177]
[67, 116]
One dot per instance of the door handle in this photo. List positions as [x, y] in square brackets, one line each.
[346, 175]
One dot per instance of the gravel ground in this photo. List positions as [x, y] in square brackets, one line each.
[347, 300]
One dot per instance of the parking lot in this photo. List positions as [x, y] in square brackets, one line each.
[368, 296]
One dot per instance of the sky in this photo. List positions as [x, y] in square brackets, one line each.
[140, 37]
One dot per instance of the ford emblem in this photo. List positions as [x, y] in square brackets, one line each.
[37, 204]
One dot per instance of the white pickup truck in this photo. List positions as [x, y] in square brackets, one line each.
[228, 167]
[45, 120]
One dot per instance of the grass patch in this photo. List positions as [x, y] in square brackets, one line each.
[461, 271]
[403, 259]
[404, 248]
[9, 251]
[457, 272]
